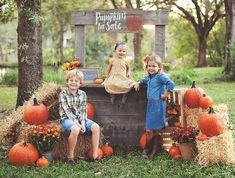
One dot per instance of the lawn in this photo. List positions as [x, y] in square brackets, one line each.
[126, 161]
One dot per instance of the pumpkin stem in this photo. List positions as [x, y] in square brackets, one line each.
[194, 84]
[211, 110]
[204, 95]
[35, 102]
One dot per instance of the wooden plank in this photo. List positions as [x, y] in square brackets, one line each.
[149, 17]
[80, 43]
[160, 41]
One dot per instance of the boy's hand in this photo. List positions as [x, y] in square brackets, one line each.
[137, 86]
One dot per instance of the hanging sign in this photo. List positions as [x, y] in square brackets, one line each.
[116, 21]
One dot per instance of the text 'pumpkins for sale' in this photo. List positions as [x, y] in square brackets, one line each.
[23, 154]
[36, 113]
[209, 124]
[192, 96]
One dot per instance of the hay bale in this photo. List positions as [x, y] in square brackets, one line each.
[191, 115]
[47, 94]
[217, 149]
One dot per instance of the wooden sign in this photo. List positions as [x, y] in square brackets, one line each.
[90, 74]
[116, 21]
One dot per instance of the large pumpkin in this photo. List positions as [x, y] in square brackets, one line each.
[205, 102]
[23, 154]
[192, 96]
[90, 153]
[36, 113]
[143, 140]
[107, 150]
[90, 110]
[209, 124]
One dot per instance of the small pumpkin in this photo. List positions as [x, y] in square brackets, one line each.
[177, 124]
[202, 137]
[205, 102]
[107, 150]
[99, 81]
[192, 96]
[42, 162]
[90, 110]
[209, 124]
[174, 150]
[36, 113]
[142, 140]
[178, 156]
[90, 153]
[23, 154]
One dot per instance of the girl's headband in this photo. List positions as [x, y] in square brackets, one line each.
[118, 43]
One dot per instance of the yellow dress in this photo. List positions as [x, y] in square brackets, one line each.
[117, 82]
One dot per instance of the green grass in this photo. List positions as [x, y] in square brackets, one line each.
[127, 162]
[7, 97]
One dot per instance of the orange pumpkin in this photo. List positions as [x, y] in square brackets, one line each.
[192, 96]
[202, 137]
[209, 124]
[23, 154]
[36, 114]
[99, 81]
[90, 110]
[174, 150]
[205, 102]
[42, 162]
[107, 150]
[143, 140]
[177, 124]
[90, 153]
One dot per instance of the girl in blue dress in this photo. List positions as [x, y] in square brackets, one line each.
[159, 87]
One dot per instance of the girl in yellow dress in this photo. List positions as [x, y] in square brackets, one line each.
[118, 79]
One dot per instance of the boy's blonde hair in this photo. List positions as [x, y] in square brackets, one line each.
[156, 59]
[75, 73]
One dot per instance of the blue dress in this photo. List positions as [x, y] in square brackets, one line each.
[157, 85]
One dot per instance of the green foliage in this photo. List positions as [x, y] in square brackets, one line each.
[215, 45]
[182, 76]
[183, 41]
[10, 78]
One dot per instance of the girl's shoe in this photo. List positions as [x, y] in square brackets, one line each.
[71, 162]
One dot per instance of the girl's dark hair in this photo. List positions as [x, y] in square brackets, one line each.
[118, 43]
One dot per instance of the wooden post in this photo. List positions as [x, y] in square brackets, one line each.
[80, 43]
[160, 41]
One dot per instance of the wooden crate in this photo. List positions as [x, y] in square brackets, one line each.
[166, 137]
[177, 98]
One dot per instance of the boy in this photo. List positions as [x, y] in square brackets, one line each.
[73, 113]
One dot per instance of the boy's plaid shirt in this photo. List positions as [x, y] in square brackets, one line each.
[73, 107]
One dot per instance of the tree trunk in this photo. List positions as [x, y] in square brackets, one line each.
[61, 40]
[202, 52]
[137, 45]
[228, 35]
[29, 48]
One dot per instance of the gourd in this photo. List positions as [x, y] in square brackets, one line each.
[192, 96]
[23, 154]
[107, 150]
[209, 124]
[42, 162]
[202, 137]
[174, 150]
[90, 153]
[90, 110]
[142, 140]
[205, 102]
[36, 113]
[99, 81]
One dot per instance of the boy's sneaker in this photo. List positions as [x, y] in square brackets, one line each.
[70, 162]
[97, 160]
